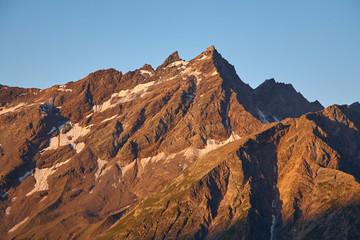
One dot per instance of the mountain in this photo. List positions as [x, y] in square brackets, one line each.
[183, 151]
[273, 101]
[287, 181]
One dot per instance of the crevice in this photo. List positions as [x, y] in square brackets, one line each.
[276, 204]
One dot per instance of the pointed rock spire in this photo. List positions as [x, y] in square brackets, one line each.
[210, 51]
[147, 67]
[172, 58]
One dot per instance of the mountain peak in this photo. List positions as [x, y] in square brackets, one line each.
[268, 83]
[211, 48]
[147, 67]
[170, 59]
[210, 51]
[271, 80]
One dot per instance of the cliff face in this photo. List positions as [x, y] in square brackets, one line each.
[182, 151]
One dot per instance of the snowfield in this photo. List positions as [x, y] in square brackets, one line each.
[124, 96]
[70, 137]
[41, 176]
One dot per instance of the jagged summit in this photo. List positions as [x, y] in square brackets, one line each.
[172, 58]
[211, 50]
[356, 103]
[147, 67]
[209, 53]
[270, 83]
[273, 101]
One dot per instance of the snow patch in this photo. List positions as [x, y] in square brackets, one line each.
[214, 144]
[18, 225]
[143, 72]
[192, 152]
[155, 158]
[26, 175]
[108, 119]
[214, 73]
[273, 205]
[123, 96]
[203, 57]
[7, 211]
[196, 72]
[191, 97]
[177, 63]
[172, 78]
[273, 222]
[41, 176]
[70, 137]
[144, 161]
[191, 71]
[79, 147]
[273, 201]
[11, 109]
[211, 145]
[227, 116]
[158, 157]
[276, 119]
[52, 130]
[43, 198]
[101, 164]
[262, 116]
[62, 88]
[126, 168]
[166, 80]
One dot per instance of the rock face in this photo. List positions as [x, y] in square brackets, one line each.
[186, 151]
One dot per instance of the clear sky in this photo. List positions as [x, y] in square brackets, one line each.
[312, 44]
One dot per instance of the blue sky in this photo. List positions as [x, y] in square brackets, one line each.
[312, 44]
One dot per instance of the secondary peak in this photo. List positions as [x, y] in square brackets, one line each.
[172, 58]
